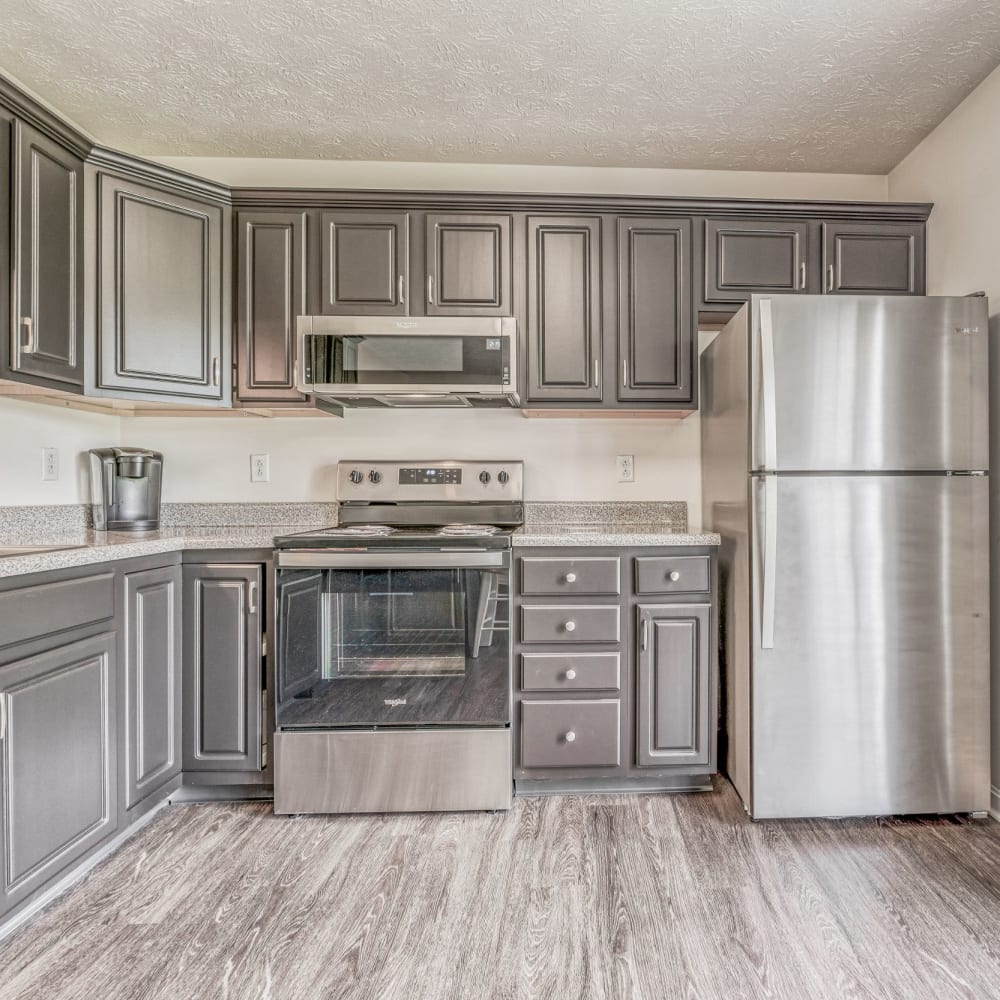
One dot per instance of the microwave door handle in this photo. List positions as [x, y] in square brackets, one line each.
[386, 559]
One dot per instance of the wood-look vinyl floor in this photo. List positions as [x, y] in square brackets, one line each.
[641, 896]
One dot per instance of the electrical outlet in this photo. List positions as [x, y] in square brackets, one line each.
[50, 464]
[626, 468]
[260, 468]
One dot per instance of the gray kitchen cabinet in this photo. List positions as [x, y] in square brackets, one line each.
[46, 344]
[223, 629]
[570, 733]
[656, 331]
[873, 259]
[152, 696]
[6, 177]
[365, 263]
[468, 265]
[270, 295]
[59, 762]
[161, 305]
[754, 255]
[564, 336]
[673, 686]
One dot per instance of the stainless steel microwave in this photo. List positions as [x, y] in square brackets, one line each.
[413, 361]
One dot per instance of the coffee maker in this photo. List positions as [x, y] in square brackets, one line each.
[126, 488]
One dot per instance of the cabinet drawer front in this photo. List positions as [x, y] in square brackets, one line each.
[570, 671]
[571, 733]
[570, 623]
[33, 612]
[585, 575]
[672, 574]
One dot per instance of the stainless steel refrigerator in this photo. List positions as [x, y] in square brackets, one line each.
[844, 451]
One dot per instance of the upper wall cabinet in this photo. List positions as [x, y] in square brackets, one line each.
[271, 293]
[565, 354]
[655, 330]
[46, 344]
[160, 300]
[873, 258]
[365, 261]
[744, 256]
[468, 265]
[6, 175]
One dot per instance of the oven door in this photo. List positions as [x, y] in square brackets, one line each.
[393, 638]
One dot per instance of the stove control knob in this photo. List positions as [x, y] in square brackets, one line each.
[484, 477]
[374, 477]
[357, 476]
[503, 477]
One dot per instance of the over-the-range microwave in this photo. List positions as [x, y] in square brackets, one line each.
[414, 361]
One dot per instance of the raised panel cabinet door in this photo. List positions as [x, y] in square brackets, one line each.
[365, 262]
[160, 293]
[468, 265]
[222, 667]
[59, 762]
[48, 260]
[874, 258]
[673, 690]
[564, 309]
[745, 256]
[656, 332]
[152, 624]
[271, 294]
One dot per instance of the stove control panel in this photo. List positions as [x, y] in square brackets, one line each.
[441, 481]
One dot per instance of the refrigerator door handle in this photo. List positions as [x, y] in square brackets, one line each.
[769, 528]
[769, 429]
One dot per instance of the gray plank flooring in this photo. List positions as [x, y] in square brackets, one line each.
[644, 896]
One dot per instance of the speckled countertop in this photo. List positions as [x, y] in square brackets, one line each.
[86, 547]
[617, 533]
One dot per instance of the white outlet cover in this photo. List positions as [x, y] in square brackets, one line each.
[50, 464]
[626, 468]
[260, 468]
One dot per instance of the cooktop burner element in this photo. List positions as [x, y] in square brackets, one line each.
[468, 529]
[361, 530]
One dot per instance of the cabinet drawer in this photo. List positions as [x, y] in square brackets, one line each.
[570, 623]
[571, 733]
[672, 574]
[33, 612]
[586, 575]
[570, 671]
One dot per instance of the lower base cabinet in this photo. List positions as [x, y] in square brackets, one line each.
[222, 667]
[152, 698]
[629, 708]
[59, 761]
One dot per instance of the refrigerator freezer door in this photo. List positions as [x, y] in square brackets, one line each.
[874, 696]
[868, 383]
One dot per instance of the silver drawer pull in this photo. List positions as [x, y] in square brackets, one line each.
[570, 626]
[571, 577]
[401, 293]
[571, 674]
[215, 371]
[253, 599]
[570, 737]
[28, 347]
[674, 576]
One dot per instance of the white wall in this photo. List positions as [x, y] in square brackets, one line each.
[506, 177]
[958, 168]
[26, 428]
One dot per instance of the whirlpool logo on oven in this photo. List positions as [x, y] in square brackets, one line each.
[394, 702]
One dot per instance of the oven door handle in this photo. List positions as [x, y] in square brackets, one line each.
[445, 559]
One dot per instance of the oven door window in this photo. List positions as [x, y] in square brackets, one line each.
[376, 647]
[386, 360]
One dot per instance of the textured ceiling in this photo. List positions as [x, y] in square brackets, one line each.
[849, 86]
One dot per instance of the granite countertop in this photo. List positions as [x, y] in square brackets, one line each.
[87, 547]
[612, 533]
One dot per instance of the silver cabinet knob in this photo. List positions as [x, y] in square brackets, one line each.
[571, 577]
[570, 626]
[674, 576]
[571, 674]
[570, 737]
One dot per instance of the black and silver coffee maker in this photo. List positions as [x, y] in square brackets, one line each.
[126, 488]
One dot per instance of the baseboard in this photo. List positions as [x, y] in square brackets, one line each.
[995, 802]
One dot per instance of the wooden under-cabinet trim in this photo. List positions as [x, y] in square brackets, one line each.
[597, 412]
